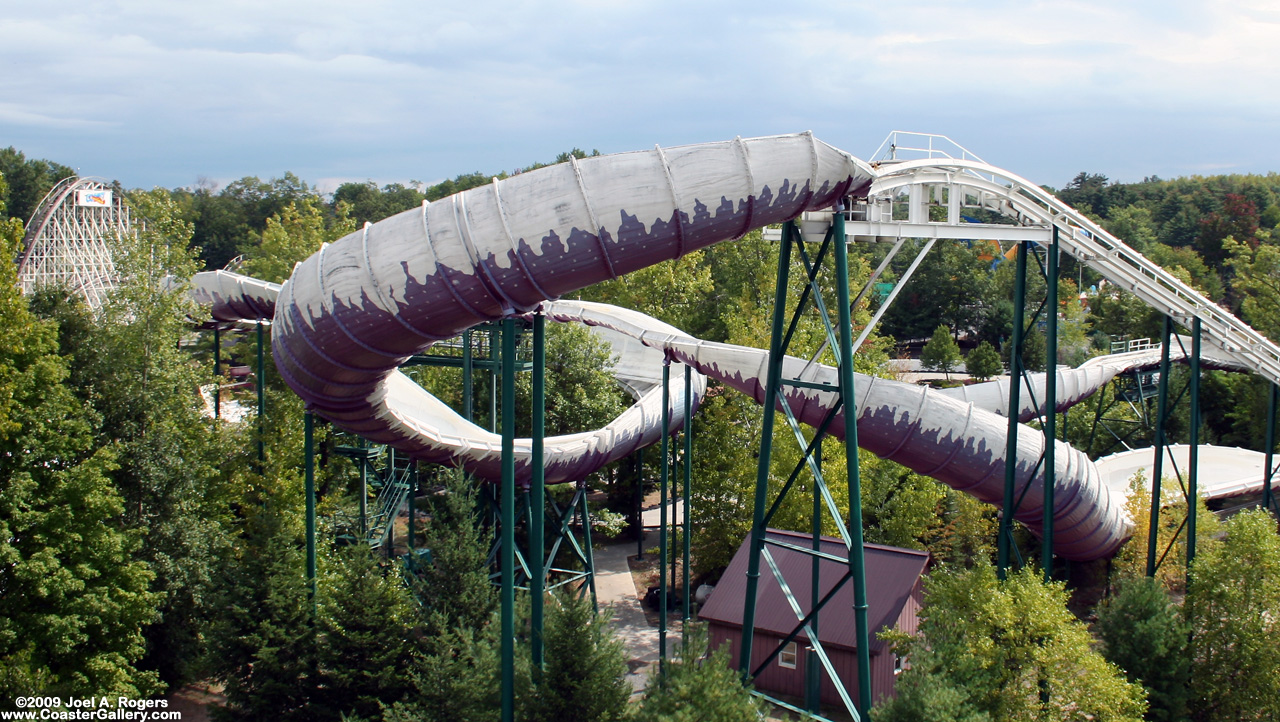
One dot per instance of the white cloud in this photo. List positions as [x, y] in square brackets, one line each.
[419, 90]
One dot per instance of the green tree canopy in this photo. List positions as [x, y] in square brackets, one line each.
[1014, 651]
[983, 362]
[695, 687]
[1233, 607]
[73, 599]
[1146, 636]
[941, 353]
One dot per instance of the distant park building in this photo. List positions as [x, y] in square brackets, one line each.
[894, 596]
[68, 239]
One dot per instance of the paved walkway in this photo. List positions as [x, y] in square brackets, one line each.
[616, 592]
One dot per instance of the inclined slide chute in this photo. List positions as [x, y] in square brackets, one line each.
[352, 313]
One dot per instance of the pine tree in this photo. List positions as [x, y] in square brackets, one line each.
[694, 687]
[1146, 635]
[366, 623]
[455, 588]
[263, 645]
[586, 667]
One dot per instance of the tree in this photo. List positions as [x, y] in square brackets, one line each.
[1013, 649]
[694, 687]
[264, 638]
[983, 362]
[73, 598]
[586, 666]
[369, 204]
[455, 588]
[1146, 636]
[366, 621]
[293, 234]
[28, 181]
[129, 366]
[1257, 280]
[581, 393]
[941, 353]
[927, 697]
[1131, 561]
[1233, 607]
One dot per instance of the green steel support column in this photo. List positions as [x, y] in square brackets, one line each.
[1269, 469]
[493, 379]
[411, 478]
[662, 511]
[537, 488]
[773, 380]
[1193, 490]
[640, 504]
[857, 565]
[308, 449]
[217, 372]
[391, 479]
[468, 391]
[508, 517]
[262, 403]
[1051, 404]
[1005, 539]
[688, 476]
[591, 557]
[364, 490]
[1162, 404]
[812, 668]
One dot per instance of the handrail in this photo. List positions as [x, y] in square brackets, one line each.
[1096, 248]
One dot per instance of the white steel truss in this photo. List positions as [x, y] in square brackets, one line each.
[930, 193]
[67, 242]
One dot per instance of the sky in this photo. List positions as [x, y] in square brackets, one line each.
[170, 93]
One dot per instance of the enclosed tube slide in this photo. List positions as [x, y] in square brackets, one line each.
[354, 311]
[441, 435]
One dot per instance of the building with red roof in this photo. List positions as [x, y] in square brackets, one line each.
[894, 595]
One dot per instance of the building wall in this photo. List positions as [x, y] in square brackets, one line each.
[778, 680]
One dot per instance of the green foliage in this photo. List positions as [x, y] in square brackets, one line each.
[674, 291]
[75, 600]
[983, 362]
[1013, 650]
[941, 353]
[1131, 561]
[455, 588]
[581, 393]
[293, 234]
[967, 535]
[952, 286]
[726, 475]
[1233, 607]
[370, 204]
[263, 644]
[899, 506]
[1133, 225]
[694, 687]
[28, 181]
[364, 649]
[1146, 635]
[927, 697]
[130, 366]
[586, 666]
[460, 678]
[1257, 280]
